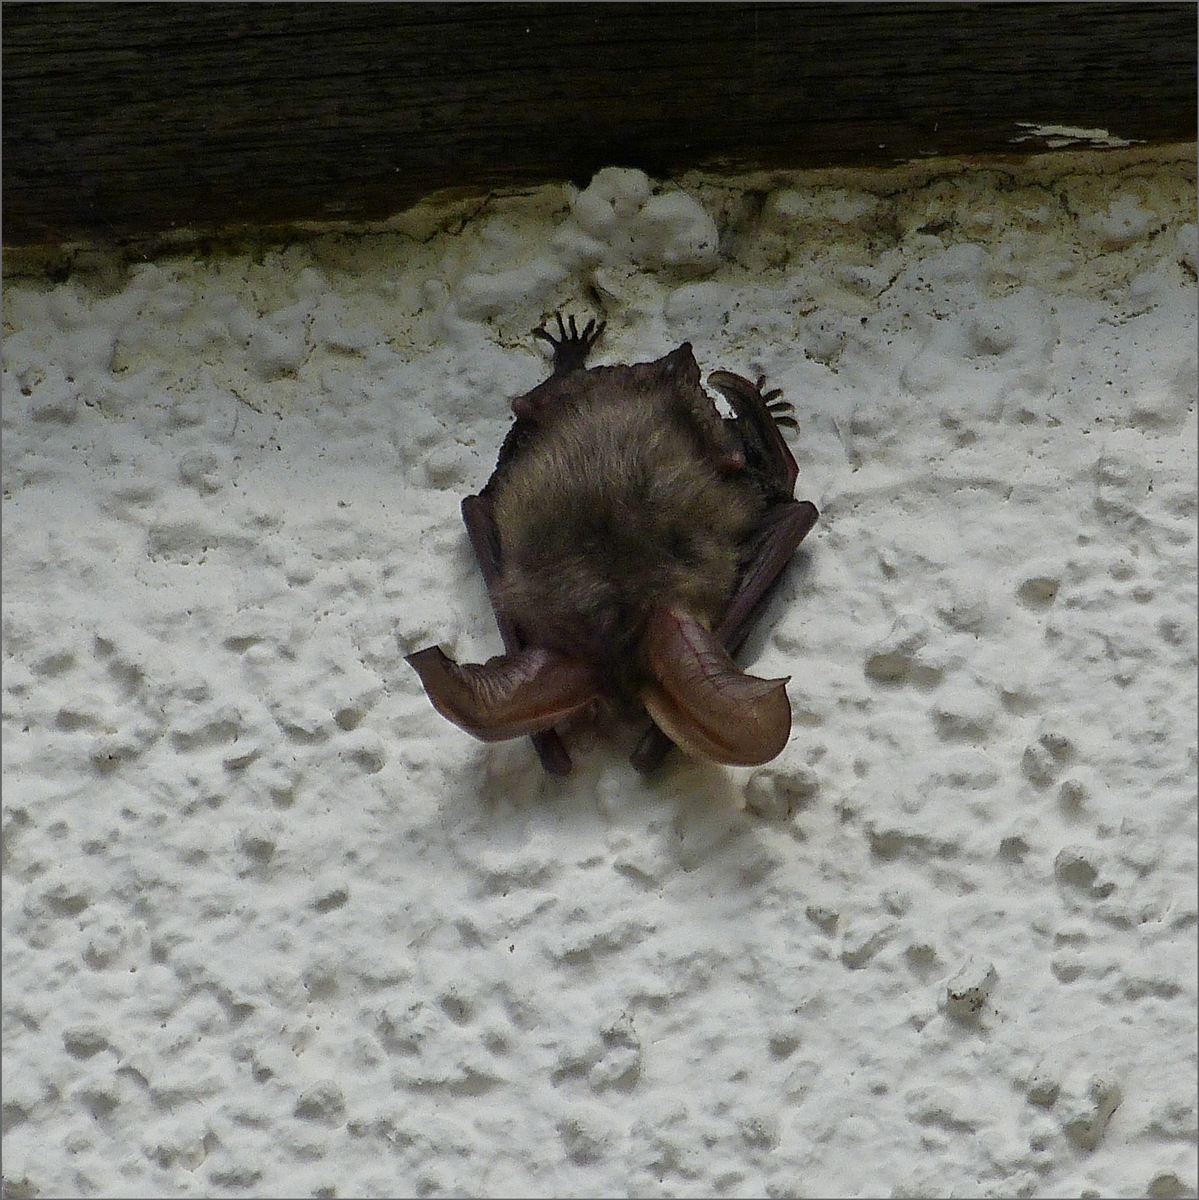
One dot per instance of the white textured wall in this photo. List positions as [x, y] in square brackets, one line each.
[272, 927]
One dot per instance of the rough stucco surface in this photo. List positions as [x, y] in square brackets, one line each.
[273, 927]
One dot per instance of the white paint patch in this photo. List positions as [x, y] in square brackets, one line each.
[273, 927]
[1057, 137]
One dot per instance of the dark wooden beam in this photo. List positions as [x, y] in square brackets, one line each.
[123, 119]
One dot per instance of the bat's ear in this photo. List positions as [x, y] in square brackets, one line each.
[509, 696]
[704, 702]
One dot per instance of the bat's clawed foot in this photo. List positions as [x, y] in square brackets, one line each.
[747, 397]
[572, 345]
[779, 409]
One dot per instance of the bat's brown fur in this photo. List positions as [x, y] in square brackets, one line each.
[621, 502]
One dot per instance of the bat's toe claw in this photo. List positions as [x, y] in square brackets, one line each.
[780, 410]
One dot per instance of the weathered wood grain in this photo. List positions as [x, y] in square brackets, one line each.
[132, 118]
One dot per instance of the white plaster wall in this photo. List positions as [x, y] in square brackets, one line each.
[273, 927]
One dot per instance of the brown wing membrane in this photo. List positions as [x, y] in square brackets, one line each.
[704, 702]
[782, 529]
[508, 696]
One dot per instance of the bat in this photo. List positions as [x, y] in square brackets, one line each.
[629, 539]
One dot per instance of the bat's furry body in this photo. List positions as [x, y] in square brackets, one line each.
[616, 507]
[628, 536]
